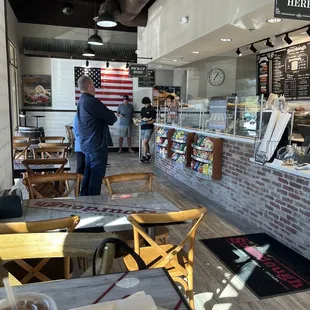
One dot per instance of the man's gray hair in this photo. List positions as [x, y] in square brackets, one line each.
[83, 82]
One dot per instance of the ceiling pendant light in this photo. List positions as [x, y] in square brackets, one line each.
[253, 49]
[88, 52]
[106, 19]
[95, 39]
[269, 43]
[288, 40]
[127, 65]
[238, 52]
[107, 64]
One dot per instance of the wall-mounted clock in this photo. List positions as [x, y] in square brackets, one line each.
[216, 77]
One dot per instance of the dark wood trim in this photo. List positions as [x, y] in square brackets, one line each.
[169, 146]
[189, 150]
[217, 159]
[9, 85]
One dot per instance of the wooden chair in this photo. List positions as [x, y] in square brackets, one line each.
[25, 270]
[48, 145]
[174, 258]
[21, 139]
[52, 139]
[47, 245]
[129, 177]
[58, 185]
[20, 149]
[161, 233]
[50, 152]
[30, 165]
[70, 136]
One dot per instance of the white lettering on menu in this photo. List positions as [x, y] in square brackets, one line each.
[299, 3]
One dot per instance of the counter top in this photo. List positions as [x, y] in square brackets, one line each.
[210, 134]
[287, 169]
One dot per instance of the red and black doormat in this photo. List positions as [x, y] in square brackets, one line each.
[266, 266]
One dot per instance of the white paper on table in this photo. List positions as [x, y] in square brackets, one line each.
[137, 301]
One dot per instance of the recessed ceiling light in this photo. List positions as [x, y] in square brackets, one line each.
[274, 20]
[195, 52]
[304, 32]
[226, 40]
[174, 60]
[159, 66]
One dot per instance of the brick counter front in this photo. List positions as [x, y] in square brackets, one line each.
[274, 201]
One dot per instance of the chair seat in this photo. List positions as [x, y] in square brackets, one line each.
[54, 269]
[150, 257]
[161, 236]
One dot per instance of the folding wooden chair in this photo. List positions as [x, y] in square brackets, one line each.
[52, 139]
[46, 247]
[174, 258]
[26, 270]
[50, 152]
[129, 177]
[20, 149]
[59, 185]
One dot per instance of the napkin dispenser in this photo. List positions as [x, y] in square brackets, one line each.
[10, 204]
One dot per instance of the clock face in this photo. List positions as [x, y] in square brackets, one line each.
[216, 77]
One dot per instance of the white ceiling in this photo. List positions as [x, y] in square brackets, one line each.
[238, 30]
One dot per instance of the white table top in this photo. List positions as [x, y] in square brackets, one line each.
[105, 211]
[75, 293]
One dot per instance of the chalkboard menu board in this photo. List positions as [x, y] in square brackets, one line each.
[263, 74]
[291, 72]
[148, 81]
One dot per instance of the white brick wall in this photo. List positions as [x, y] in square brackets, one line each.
[5, 135]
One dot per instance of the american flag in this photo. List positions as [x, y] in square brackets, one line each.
[110, 83]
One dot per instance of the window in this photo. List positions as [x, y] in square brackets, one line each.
[13, 74]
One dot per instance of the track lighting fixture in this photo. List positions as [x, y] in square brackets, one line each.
[107, 64]
[127, 65]
[87, 63]
[269, 43]
[288, 40]
[252, 48]
[238, 52]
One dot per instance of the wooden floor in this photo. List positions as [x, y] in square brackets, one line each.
[215, 287]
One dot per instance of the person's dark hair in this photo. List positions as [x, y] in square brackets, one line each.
[170, 97]
[146, 100]
[125, 97]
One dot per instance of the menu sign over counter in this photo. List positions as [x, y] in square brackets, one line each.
[291, 72]
[148, 81]
[292, 9]
[263, 74]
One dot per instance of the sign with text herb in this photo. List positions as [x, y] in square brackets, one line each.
[292, 9]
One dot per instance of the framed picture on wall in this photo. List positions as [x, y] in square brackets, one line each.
[160, 93]
[37, 90]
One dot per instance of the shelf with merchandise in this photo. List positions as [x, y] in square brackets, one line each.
[202, 160]
[162, 132]
[179, 136]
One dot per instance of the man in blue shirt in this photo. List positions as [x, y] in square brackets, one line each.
[93, 121]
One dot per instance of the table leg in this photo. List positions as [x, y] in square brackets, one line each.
[151, 232]
[107, 258]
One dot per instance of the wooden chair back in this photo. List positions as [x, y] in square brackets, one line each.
[20, 247]
[50, 152]
[52, 139]
[35, 228]
[32, 164]
[162, 255]
[20, 149]
[128, 177]
[21, 139]
[48, 145]
[59, 185]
